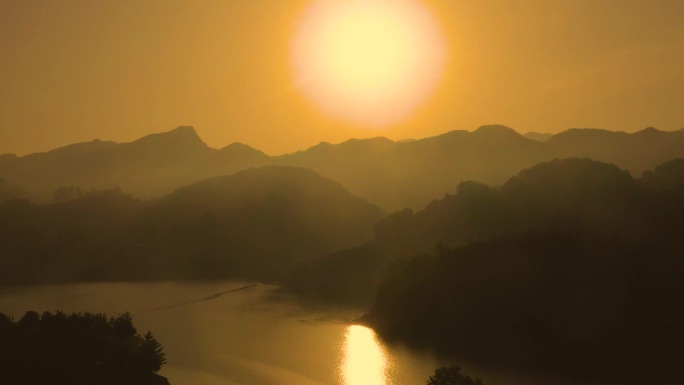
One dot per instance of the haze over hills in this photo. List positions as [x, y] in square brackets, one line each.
[150, 166]
[572, 266]
[9, 191]
[598, 198]
[379, 190]
[253, 224]
[538, 136]
[398, 175]
[568, 263]
[393, 175]
[636, 152]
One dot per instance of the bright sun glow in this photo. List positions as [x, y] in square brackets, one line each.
[364, 360]
[372, 62]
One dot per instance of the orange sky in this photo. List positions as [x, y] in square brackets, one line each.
[76, 70]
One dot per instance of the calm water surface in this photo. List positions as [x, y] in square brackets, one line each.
[214, 335]
[241, 333]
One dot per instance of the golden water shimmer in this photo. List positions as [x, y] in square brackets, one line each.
[364, 359]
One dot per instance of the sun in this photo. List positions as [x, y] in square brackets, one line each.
[370, 62]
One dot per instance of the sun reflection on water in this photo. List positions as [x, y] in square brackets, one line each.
[364, 359]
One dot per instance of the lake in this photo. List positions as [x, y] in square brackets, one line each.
[244, 333]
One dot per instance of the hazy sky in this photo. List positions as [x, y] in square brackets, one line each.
[76, 70]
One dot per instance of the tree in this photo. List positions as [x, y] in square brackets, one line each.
[152, 356]
[66, 193]
[78, 349]
[452, 375]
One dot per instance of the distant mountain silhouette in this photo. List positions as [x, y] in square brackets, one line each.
[637, 152]
[538, 136]
[253, 224]
[393, 175]
[151, 166]
[396, 175]
[241, 156]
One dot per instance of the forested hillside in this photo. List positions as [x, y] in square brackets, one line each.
[255, 223]
[581, 275]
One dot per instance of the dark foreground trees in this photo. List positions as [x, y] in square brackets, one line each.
[582, 274]
[452, 375]
[75, 349]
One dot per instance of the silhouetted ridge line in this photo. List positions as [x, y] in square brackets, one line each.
[73, 150]
[150, 166]
[538, 136]
[185, 135]
[648, 131]
[496, 130]
[8, 157]
[393, 175]
[241, 148]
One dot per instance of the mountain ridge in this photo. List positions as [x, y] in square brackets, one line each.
[392, 174]
[190, 132]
